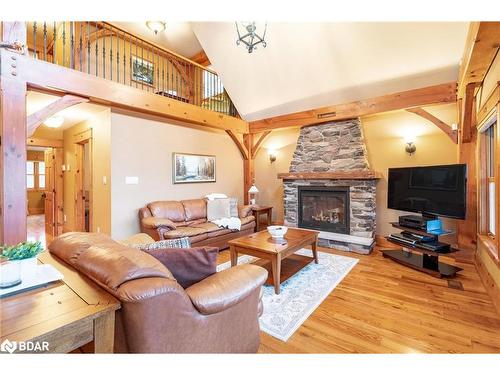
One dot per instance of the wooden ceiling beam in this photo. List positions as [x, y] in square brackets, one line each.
[36, 119]
[46, 76]
[201, 58]
[41, 142]
[482, 44]
[453, 134]
[438, 94]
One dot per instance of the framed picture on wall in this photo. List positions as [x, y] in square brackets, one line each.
[143, 71]
[189, 168]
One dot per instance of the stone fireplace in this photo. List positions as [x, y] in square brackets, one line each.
[331, 188]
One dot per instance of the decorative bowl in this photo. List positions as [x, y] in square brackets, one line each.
[277, 231]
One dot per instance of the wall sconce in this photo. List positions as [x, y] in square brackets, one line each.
[410, 144]
[272, 155]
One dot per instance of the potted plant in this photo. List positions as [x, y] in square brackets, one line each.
[19, 262]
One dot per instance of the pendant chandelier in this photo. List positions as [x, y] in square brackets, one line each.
[249, 36]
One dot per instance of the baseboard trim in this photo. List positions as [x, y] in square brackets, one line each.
[491, 287]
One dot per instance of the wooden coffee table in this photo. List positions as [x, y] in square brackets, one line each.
[277, 256]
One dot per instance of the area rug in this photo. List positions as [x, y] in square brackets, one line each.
[301, 294]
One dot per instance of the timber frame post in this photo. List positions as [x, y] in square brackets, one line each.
[12, 142]
[248, 150]
[479, 53]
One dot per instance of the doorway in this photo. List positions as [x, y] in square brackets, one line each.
[44, 183]
[83, 183]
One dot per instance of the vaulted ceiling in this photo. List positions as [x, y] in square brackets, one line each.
[309, 65]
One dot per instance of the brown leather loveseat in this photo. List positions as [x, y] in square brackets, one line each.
[218, 314]
[188, 218]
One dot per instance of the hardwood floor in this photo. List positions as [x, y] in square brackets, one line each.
[384, 307]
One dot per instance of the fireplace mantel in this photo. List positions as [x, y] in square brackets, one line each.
[360, 174]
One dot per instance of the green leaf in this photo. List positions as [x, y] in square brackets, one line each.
[23, 250]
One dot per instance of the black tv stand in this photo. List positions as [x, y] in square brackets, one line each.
[419, 258]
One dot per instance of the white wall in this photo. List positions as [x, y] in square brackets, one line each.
[143, 148]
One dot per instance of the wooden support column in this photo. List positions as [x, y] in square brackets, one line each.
[467, 229]
[248, 167]
[248, 151]
[12, 143]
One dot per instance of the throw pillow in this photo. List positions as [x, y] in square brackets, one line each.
[233, 207]
[218, 209]
[188, 266]
[179, 243]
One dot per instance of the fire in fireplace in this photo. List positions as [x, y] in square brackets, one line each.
[324, 208]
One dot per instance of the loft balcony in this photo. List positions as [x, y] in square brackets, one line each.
[104, 50]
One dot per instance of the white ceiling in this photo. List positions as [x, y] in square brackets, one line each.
[310, 65]
[72, 115]
[177, 37]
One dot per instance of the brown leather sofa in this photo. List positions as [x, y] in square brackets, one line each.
[188, 218]
[218, 314]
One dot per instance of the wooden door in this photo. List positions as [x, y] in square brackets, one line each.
[58, 161]
[49, 193]
[83, 182]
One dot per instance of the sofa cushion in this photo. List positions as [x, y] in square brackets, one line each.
[189, 266]
[106, 261]
[184, 232]
[172, 210]
[221, 232]
[195, 209]
[208, 226]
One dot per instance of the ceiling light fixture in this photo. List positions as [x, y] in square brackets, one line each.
[54, 121]
[250, 39]
[156, 26]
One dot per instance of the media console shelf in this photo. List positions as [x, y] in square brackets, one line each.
[420, 259]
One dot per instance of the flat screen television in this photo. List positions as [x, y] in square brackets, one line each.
[438, 190]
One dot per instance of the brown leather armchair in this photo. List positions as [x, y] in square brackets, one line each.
[218, 314]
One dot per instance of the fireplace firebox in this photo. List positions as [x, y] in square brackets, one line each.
[324, 208]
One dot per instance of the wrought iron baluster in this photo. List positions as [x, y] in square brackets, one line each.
[88, 47]
[110, 55]
[44, 41]
[117, 57]
[80, 47]
[96, 51]
[142, 63]
[72, 46]
[104, 53]
[64, 44]
[124, 58]
[34, 39]
[54, 44]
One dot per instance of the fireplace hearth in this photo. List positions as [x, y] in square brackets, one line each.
[324, 208]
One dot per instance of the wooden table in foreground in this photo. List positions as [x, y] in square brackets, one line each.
[277, 256]
[66, 314]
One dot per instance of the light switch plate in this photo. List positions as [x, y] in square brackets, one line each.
[131, 180]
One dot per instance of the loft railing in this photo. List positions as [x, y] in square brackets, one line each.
[104, 50]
